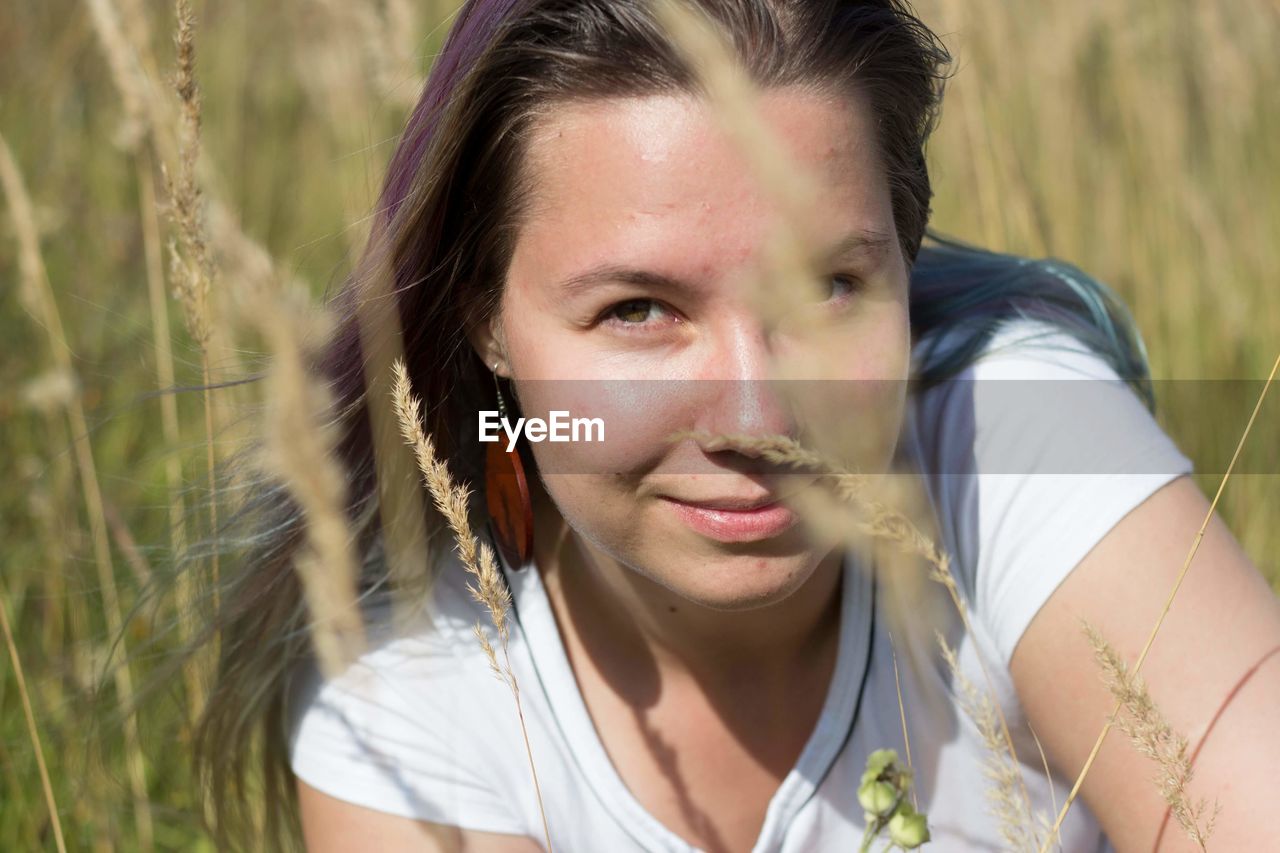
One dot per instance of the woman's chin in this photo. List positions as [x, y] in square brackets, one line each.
[742, 582]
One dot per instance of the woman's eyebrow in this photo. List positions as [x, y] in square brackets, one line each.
[867, 243]
[626, 275]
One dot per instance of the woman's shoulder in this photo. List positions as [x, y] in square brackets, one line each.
[1019, 346]
[1035, 399]
[418, 646]
[418, 725]
[1030, 456]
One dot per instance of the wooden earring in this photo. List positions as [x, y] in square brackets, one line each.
[507, 496]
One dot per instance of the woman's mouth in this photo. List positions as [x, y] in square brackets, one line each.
[726, 523]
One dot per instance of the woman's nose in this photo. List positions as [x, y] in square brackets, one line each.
[746, 399]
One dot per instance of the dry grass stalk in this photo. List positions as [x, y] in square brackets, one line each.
[878, 518]
[300, 448]
[735, 100]
[791, 275]
[32, 730]
[165, 118]
[151, 106]
[134, 85]
[133, 15]
[166, 380]
[790, 260]
[1153, 737]
[240, 258]
[148, 113]
[36, 293]
[902, 715]
[190, 263]
[125, 69]
[353, 58]
[147, 118]
[380, 39]
[401, 506]
[870, 517]
[191, 267]
[489, 587]
[1005, 793]
[160, 332]
[1048, 774]
[1177, 584]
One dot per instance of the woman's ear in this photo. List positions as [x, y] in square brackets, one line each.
[488, 341]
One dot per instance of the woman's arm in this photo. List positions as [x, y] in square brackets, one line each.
[1208, 671]
[330, 825]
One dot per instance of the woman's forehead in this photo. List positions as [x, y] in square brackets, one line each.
[663, 162]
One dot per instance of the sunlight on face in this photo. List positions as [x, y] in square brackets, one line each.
[629, 277]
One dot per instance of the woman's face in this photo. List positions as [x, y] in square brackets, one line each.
[627, 301]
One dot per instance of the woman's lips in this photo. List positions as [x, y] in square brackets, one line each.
[735, 525]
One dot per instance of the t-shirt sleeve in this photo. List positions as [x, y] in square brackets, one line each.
[409, 730]
[1043, 449]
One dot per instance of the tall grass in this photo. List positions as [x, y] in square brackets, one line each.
[479, 560]
[1132, 137]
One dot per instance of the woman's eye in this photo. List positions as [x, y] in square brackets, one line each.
[640, 312]
[842, 287]
[634, 312]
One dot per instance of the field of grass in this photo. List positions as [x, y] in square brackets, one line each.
[1134, 138]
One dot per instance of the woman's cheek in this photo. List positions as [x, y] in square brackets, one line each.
[624, 424]
[853, 408]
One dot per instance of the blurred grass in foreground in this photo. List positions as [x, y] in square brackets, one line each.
[1136, 139]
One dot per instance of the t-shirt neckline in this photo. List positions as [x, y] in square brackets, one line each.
[835, 722]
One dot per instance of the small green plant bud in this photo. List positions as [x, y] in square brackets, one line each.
[878, 798]
[908, 829]
[880, 760]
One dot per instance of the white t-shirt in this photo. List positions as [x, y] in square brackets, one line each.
[420, 727]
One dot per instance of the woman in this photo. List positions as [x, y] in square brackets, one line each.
[698, 668]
